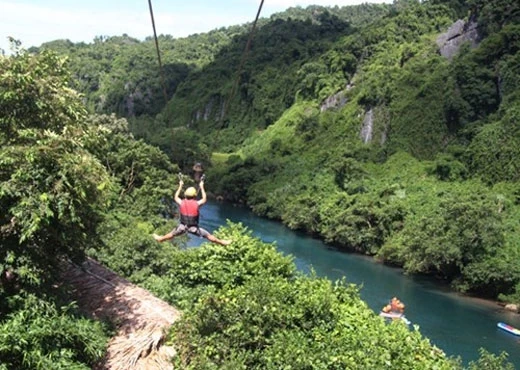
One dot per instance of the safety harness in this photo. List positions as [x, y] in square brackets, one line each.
[189, 210]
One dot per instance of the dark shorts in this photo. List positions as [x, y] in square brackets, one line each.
[195, 230]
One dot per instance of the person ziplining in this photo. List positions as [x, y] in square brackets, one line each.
[189, 215]
[189, 206]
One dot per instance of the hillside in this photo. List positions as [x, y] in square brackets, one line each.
[369, 127]
[342, 99]
[391, 140]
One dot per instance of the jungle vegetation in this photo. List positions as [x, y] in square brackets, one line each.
[344, 122]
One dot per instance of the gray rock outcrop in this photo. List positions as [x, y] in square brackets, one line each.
[460, 32]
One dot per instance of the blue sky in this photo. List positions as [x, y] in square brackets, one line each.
[34, 22]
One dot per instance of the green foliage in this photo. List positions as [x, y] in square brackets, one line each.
[447, 168]
[407, 194]
[359, 15]
[429, 216]
[513, 297]
[460, 7]
[236, 182]
[509, 78]
[260, 316]
[213, 267]
[462, 234]
[452, 232]
[35, 94]
[121, 75]
[51, 187]
[417, 111]
[265, 85]
[128, 248]
[183, 146]
[493, 154]
[490, 361]
[39, 335]
[476, 84]
[52, 195]
[480, 80]
[144, 176]
[245, 306]
[140, 200]
[495, 14]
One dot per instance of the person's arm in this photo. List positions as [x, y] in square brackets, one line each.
[203, 193]
[177, 197]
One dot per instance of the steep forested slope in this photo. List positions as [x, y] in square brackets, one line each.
[330, 157]
[317, 116]
[377, 143]
[75, 185]
[121, 75]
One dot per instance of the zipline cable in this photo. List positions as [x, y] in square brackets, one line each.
[158, 53]
[240, 67]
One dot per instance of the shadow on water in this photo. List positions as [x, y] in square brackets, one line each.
[458, 325]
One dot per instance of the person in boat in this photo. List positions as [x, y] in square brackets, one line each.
[394, 307]
[189, 211]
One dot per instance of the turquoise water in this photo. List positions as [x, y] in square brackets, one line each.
[457, 325]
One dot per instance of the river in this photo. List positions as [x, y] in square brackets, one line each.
[456, 324]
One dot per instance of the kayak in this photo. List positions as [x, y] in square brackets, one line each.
[395, 316]
[509, 328]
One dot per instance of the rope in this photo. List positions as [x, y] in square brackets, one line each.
[240, 67]
[158, 53]
[84, 269]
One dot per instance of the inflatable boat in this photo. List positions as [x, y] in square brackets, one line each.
[509, 328]
[395, 316]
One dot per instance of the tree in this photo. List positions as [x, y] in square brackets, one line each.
[51, 187]
[493, 154]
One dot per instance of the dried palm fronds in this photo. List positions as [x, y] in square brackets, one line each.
[141, 318]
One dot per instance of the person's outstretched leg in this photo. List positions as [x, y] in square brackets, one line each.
[162, 238]
[214, 239]
[206, 234]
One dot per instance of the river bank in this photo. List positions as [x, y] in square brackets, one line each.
[491, 303]
[459, 325]
[507, 307]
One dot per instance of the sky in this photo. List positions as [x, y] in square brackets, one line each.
[34, 22]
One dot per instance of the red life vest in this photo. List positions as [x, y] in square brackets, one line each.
[189, 209]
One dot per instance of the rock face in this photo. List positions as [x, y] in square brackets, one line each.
[375, 125]
[337, 100]
[449, 42]
[367, 126]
